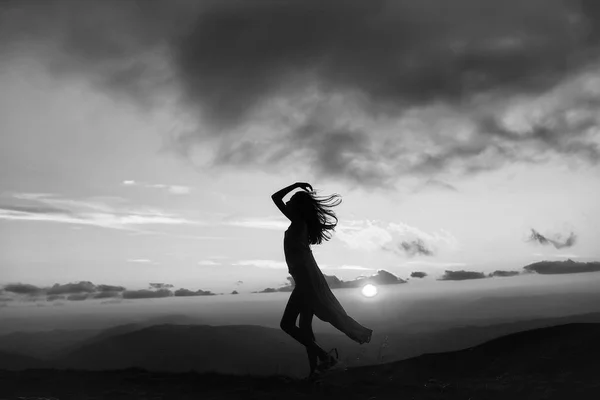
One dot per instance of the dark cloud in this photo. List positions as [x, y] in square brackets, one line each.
[186, 292]
[82, 286]
[23, 288]
[77, 296]
[109, 288]
[146, 294]
[410, 248]
[461, 275]
[504, 273]
[418, 274]
[268, 290]
[562, 267]
[558, 240]
[416, 247]
[81, 290]
[306, 66]
[382, 277]
[107, 294]
[160, 286]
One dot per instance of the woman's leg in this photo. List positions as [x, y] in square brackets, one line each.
[314, 353]
[294, 307]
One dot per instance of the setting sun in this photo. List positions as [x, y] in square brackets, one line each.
[369, 290]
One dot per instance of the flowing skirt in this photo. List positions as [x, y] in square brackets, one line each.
[311, 282]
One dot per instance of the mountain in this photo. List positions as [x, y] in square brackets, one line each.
[235, 349]
[50, 344]
[43, 344]
[17, 362]
[558, 362]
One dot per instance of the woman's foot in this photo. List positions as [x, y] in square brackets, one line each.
[328, 361]
[313, 358]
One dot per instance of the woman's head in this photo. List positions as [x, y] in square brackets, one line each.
[316, 212]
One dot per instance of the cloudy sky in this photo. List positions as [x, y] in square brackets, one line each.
[141, 141]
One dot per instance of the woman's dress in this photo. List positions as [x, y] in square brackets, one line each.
[310, 281]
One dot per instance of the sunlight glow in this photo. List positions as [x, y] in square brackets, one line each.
[369, 290]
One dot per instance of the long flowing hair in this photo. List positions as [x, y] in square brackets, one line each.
[317, 213]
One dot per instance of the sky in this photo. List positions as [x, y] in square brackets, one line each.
[141, 142]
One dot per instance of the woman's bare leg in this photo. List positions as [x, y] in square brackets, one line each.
[294, 307]
[314, 353]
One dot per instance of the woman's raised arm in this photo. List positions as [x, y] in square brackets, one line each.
[278, 196]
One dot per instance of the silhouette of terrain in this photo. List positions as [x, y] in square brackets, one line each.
[50, 344]
[558, 362]
[239, 349]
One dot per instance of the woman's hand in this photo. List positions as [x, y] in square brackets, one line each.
[305, 186]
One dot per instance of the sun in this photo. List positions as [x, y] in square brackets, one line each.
[369, 290]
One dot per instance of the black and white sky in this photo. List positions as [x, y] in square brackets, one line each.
[140, 141]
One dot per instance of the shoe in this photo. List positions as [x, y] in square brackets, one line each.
[329, 362]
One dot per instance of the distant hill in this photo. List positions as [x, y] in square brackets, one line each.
[236, 348]
[49, 344]
[572, 348]
[17, 362]
[43, 344]
[559, 362]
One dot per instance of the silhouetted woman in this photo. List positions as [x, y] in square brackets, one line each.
[311, 220]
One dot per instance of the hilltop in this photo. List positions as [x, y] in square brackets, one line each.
[556, 362]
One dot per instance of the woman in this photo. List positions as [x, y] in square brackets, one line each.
[311, 220]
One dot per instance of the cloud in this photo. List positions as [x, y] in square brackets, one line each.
[382, 277]
[436, 264]
[372, 92]
[51, 208]
[107, 294]
[146, 294]
[270, 264]
[267, 290]
[23, 288]
[140, 261]
[160, 285]
[173, 189]
[77, 297]
[80, 287]
[562, 267]
[115, 301]
[418, 274]
[558, 240]
[185, 292]
[110, 288]
[461, 275]
[436, 184]
[208, 262]
[80, 290]
[356, 267]
[398, 238]
[416, 247]
[504, 273]
[271, 223]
